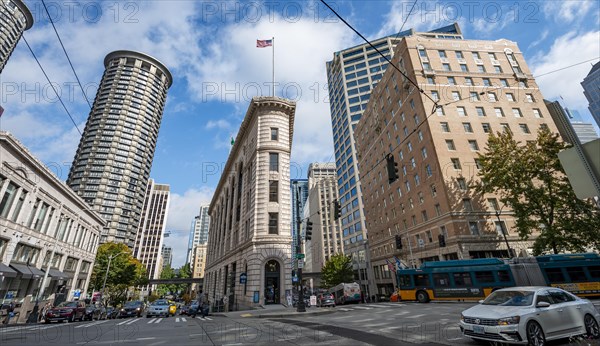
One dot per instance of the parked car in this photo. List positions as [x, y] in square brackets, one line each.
[325, 299]
[133, 308]
[95, 312]
[172, 308]
[66, 311]
[112, 312]
[159, 307]
[530, 315]
[184, 310]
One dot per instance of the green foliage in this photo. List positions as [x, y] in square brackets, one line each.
[169, 273]
[125, 271]
[337, 269]
[530, 179]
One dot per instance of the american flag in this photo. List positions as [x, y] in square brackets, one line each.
[390, 265]
[264, 43]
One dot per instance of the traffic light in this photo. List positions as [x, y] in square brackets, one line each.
[337, 210]
[398, 242]
[392, 168]
[309, 225]
[442, 240]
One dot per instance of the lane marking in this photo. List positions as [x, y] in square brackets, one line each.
[158, 321]
[362, 308]
[415, 316]
[183, 319]
[345, 309]
[133, 321]
[152, 320]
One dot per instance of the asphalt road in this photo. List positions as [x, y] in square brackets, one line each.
[352, 325]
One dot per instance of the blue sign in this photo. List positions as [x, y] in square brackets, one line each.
[10, 295]
[243, 278]
[77, 294]
[256, 297]
[294, 279]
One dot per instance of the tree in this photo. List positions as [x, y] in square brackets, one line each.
[531, 181]
[125, 271]
[337, 269]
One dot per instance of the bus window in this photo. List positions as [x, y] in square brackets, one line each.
[483, 277]
[503, 276]
[594, 272]
[421, 280]
[405, 281]
[576, 274]
[441, 280]
[462, 279]
[555, 275]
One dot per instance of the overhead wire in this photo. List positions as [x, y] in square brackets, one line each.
[52, 85]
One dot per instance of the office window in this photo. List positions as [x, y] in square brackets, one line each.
[274, 133]
[445, 127]
[524, 128]
[486, 127]
[499, 112]
[459, 55]
[474, 96]
[440, 111]
[430, 80]
[461, 111]
[474, 228]
[510, 97]
[536, 113]
[435, 95]
[455, 95]
[456, 163]
[492, 97]
[505, 127]
[274, 162]
[424, 153]
[517, 113]
[451, 81]
[273, 191]
[462, 184]
[468, 128]
[504, 83]
[426, 66]
[422, 53]
[463, 68]
[480, 68]
[473, 145]
[486, 82]
[497, 69]
[480, 111]
[446, 67]
[450, 144]
[273, 223]
[468, 81]
[433, 190]
[476, 55]
[493, 203]
[442, 54]
[467, 204]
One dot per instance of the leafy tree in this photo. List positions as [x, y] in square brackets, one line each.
[530, 179]
[125, 271]
[337, 269]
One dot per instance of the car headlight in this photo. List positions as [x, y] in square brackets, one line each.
[122, 310]
[138, 309]
[462, 317]
[508, 320]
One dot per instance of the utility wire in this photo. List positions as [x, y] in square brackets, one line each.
[566, 67]
[67, 55]
[52, 85]
[380, 53]
[406, 19]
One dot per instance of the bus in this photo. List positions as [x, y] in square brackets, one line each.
[475, 279]
[346, 293]
[576, 273]
[454, 280]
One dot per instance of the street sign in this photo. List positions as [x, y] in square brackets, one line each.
[294, 279]
[10, 295]
[300, 263]
[243, 278]
[77, 294]
[300, 255]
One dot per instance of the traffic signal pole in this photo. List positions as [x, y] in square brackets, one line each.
[300, 306]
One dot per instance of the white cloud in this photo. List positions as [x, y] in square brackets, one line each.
[541, 39]
[566, 50]
[569, 11]
[219, 124]
[182, 209]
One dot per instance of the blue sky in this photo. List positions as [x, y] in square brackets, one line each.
[210, 48]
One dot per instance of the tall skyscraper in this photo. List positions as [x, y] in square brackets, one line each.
[15, 19]
[479, 87]
[297, 186]
[199, 231]
[250, 211]
[591, 90]
[167, 256]
[351, 75]
[112, 163]
[323, 191]
[150, 235]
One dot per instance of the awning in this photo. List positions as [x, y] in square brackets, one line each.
[23, 270]
[57, 274]
[36, 272]
[6, 271]
[69, 275]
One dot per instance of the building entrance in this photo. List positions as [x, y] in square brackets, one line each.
[272, 282]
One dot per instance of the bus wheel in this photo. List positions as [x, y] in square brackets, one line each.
[422, 297]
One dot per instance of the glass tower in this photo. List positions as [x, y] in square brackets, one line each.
[15, 18]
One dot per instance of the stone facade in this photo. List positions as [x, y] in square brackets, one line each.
[250, 212]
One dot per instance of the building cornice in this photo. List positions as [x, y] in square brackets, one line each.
[25, 10]
[141, 56]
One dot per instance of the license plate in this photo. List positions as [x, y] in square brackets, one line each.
[479, 329]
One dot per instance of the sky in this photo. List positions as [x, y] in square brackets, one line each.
[210, 48]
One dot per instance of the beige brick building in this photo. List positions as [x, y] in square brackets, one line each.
[480, 87]
[250, 211]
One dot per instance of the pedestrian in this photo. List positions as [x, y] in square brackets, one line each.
[205, 306]
[9, 312]
[42, 316]
[198, 304]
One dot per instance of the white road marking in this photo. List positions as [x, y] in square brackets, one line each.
[10, 329]
[150, 338]
[344, 309]
[152, 320]
[362, 308]
[415, 316]
[183, 319]
[392, 304]
[158, 321]
[365, 320]
[87, 325]
[177, 319]
[133, 321]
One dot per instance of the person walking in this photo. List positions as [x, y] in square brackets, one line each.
[199, 303]
[205, 306]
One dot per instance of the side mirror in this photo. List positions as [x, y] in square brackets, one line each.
[542, 305]
[481, 301]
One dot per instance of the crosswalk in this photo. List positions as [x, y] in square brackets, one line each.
[347, 308]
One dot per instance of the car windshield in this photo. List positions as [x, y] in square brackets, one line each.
[510, 298]
[132, 304]
[160, 302]
[67, 305]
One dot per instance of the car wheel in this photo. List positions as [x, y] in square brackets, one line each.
[47, 321]
[422, 297]
[591, 327]
[535, 334]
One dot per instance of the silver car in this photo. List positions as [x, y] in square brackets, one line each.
[159, 308]
[530, 315]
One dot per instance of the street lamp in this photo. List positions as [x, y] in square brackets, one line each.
[110, 257]
[504, 231]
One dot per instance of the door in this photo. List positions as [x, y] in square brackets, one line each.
[569, 310]
[272, 282]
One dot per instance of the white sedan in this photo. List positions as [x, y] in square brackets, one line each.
[530, 315]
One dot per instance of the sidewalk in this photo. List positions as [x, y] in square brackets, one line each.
[275, 311]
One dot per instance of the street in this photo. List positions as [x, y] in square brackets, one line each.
[361, 324]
